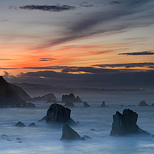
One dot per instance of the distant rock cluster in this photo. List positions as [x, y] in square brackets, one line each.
[71, 98]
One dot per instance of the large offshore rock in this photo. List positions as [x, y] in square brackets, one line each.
[46, 97]
[8, 96]
[69, 104]
[58, 113]
[125, 124]
[69, 134]
[70, 98]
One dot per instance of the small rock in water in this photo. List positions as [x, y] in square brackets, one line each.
[103, 104]
[18, 138]
[31, 125]
[143, 103]
[20, 124]
[86, 104]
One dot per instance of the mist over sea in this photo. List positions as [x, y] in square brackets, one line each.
[94, 121]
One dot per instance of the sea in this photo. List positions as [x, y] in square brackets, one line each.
[93, 121]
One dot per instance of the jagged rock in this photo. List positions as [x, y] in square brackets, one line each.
[70, 98]
[20, 124]
[125, 124]
[69, 134]
[86, 104]
[143, 103]
[58, 113]
[69, 104]
[103, 104]
[46, 97]
[32, 125]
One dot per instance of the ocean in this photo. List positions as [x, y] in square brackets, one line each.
[94, 121]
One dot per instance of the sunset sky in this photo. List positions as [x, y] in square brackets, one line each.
[94, 43]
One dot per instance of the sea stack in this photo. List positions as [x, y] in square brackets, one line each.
[125, 124]
[59, 114]
[8, 96]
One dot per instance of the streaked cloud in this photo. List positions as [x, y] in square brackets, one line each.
[138, 53]
[52, 8]
[126, 65]
[47, 59]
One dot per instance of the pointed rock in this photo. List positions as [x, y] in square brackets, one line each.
[86, 104]
[20, 124]
[69, 134]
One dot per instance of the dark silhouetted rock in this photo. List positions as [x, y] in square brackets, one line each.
[21, 92]
[70, 98]
[125, 124]
[152, 104]
[69, 134]
[86, 104]
[143, 103]
[32, 125]
[58, 113]
[8, 96]
[103, 104]
[69, 104]
[47, 97]
[20, 124]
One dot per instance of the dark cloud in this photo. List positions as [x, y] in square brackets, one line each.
[53, 8]
[138, 53]
[127, 65]
[86, 4]
[47, 59]
[117, 79]
[115, 2]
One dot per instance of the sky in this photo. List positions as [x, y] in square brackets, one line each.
[93, 43]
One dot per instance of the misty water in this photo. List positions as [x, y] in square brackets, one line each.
[94, 121]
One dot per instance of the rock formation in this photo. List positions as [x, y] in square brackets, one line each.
[86, 104]
[125, 124]
[103, 104]
[143, 103]
[46, 97]
[58, 113]
[69, 134]
[20, 124]
[70, 98]
[8, 96]
[69, 104]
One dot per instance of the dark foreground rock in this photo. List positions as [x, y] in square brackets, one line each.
[58, 113]
[125, 124]
[103, 104]
[86, 104]
[20, 124]
[69, 134]
[143, 103]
